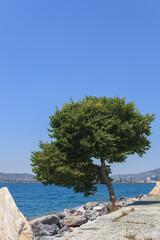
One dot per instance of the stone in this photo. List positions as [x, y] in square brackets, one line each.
[93, 204]
[155, 191]
[40, 229]
[109, 206]
[47, 219]
[74, 221]
[61, 215]
[139, 196]
[89, 208]
[66, 211]
[88, 214]
[72, 210]
[144, 196]
[65, 229]
[46, 225]
[130, 200]
[98, 209]
[158, 184]
[80, 211]
[94, 215]
[123, 199]
[102, 206]
[13, 225]
[92, 218]
[48, 230]
[119, 204]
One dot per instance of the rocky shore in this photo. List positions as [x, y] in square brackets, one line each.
[56, 225]
[14, 226]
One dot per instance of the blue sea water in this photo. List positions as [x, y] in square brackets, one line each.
[35, 199]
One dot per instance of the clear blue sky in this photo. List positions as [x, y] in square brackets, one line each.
[51, 50]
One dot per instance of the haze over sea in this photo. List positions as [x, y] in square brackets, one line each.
[35, 200]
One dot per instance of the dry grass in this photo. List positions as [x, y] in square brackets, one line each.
[117, 219]
[131, 236]
[135, 222]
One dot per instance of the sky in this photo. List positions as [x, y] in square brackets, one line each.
[56, 49]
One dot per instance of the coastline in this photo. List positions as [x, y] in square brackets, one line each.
[86, 218]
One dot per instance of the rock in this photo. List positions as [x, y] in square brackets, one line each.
[88, 214]
[66, 211]
[46, 225]
[80, 211]
[47, 219]
[109, 206]
[48, 230]
[94, 215]
[40, 229]
[158, 184]
[98, 209]
[72, 210]
[144, 196]
[91, 215]
[154, 191]
[61, 215]
[65, 229]
[74, 221]
[93, 218]
[13, 225]
[119, 204]
[93, 204]
[139, 196]
[123, 199]
[46, 238]
[130, 200]
[89, 207]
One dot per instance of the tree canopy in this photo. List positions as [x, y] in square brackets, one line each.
[108, 129]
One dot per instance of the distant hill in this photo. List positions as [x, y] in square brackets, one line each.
[16, 177]
[153, 175]
[24, 177]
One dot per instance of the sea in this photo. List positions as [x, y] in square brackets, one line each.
[35, 199]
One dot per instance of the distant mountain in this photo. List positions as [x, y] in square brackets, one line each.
[16, 177]
[24, 177]
[153, 175]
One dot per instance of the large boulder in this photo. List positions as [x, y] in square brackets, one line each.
[158, 184]
[155, 191]
[74, 221]
[13, 225]
[45, 226]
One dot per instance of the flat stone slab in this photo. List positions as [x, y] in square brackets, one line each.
[141, 221]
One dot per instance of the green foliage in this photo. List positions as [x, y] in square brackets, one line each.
[101, 128]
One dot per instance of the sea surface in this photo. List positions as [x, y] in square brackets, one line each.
[35, 200]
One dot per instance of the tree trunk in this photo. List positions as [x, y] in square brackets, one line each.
[108, 183]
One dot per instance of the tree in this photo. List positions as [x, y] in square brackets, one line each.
[108, 129]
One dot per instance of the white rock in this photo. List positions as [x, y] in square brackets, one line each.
[98, 208]
[80, 211]
[13, 225]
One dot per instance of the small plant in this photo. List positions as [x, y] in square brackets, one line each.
[114, 209]
[136, 222]
[148, 239]
[132, 209]
[130, 236]
[117, 219]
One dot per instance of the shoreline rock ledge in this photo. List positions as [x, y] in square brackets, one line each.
[13, 225]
